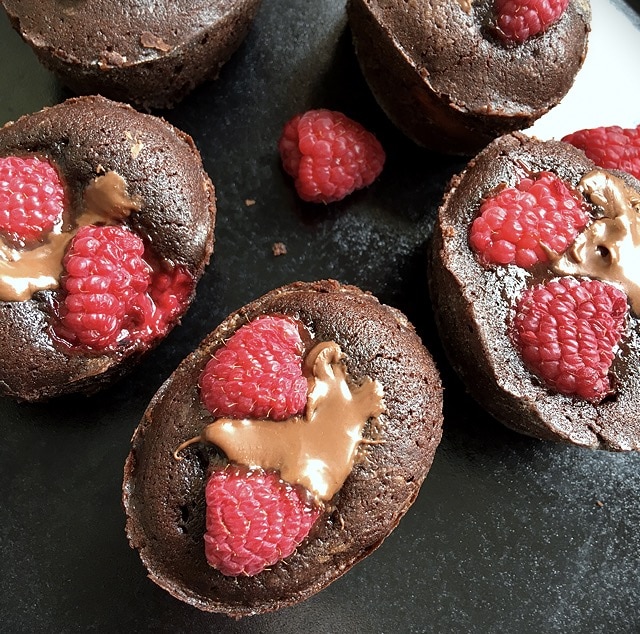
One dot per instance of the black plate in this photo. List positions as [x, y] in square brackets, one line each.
[508, 534]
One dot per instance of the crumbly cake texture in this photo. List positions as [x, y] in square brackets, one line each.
[85, 138]
[150, 54]
[164, 497]
[474, 307]
[449, 82]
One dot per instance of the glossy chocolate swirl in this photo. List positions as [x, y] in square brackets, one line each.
[317, 450]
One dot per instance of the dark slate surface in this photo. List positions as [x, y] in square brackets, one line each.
[508, 534]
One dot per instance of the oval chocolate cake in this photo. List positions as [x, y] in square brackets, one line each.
[106, 224]
[148, 53]
[455, 74]
[283, 450]
[534, 280]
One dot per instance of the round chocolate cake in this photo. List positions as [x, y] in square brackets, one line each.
[452, 75]
[534, 281]
[148, 53]
[106, 224]
[351, 444]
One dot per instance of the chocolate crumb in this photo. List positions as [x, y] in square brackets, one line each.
[111, 58]
[599, 503]
[137, 146]
[149, 40]
[279, 248]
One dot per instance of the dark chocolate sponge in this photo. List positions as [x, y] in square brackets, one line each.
[473, 307]
[85, 137]
[148, 53]
[164, 498]
[448, 82]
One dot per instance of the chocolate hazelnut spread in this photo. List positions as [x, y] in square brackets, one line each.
[106, 200]
[26, 271]
[609, 248]
[317, 450]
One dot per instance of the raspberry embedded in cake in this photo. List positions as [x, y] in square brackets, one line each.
[568, 332]
[32, 198]
[258, 372]
[107, 290]
[522, 224]
[611, 147]
[254, 520]
[518, 20]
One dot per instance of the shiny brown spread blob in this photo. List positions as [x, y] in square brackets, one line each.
[609, 248]
[317, 450]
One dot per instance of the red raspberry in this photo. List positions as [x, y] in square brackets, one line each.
[610, 147]
[329, 155]
[517, 224]
[518, 20]
[258, 372]
[253, 520]
[567, 332]
[31, 198]
[166, 299]
[105, 274]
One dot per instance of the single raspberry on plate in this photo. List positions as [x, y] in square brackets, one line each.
[518, 20]
[518, 224]
[610, 147]
[257, 373]
[31, 198]
[104, 276]
[329, 155]
[253, 520]
[567, 332]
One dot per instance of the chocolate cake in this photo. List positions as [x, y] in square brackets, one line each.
[118, 175]
[567, 372]
[447, 78]
[356, 473]
[148, 53]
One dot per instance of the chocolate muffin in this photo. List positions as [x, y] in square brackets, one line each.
[106, 224]
[150, 54]
[452, 76]
[341, 421]
[534, 285]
